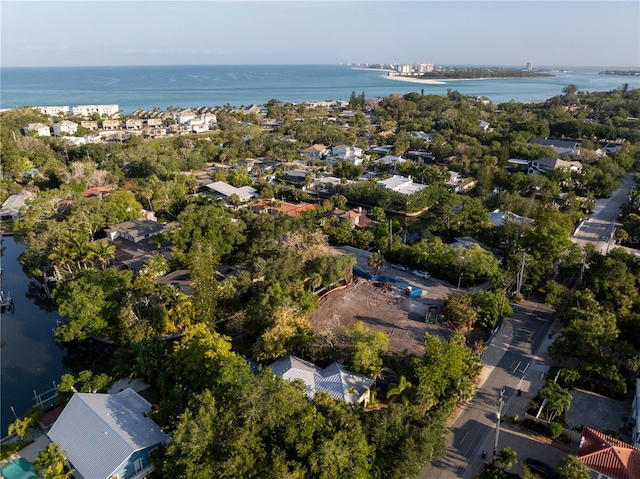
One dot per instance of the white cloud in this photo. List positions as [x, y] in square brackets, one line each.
[44, 48]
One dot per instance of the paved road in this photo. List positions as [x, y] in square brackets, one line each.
[600, 227]
[508, 359]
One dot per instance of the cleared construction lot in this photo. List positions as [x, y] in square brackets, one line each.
[400, 317]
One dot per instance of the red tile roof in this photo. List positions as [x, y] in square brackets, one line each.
[609, 456]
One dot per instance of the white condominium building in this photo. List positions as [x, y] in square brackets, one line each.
[102, 110]
[53, 110]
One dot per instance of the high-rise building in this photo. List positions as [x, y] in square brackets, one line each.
[529, 66]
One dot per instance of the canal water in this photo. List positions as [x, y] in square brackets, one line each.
[29, 357]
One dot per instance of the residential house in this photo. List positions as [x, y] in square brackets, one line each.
[357, 217]
[484, 125]
[102, 110]
[315, 152]
[401, 184]
[612, 148]
[458, 183]
[198, 125]
[53, 110]
[353, 154]
[516, 164]
[111, 124]
[134, 124]
[153, 122]
[275, 207]
[251, 110]
[295, 176]
[179, 129]
[184, 116]
[608, 457]
[107, 436]
[135, 243]
[422, 156]
[391, 160]
[154, 132]
[98, 191]
[65, 127]
[547, 164]
[335, 380]
[89, 124]
[136, 230]
[179, 280]
[561, 147]
[499, 218]
[40, 128]
[226, 191]
[329, 183]
[11, 207]
[421, 135]
[209, 118]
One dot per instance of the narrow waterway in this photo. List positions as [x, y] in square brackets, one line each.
[29, 357]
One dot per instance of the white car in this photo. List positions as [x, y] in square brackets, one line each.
[420, 274]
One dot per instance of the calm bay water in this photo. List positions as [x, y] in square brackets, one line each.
[216, 85]
[29, 357]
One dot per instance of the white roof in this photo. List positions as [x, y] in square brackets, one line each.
[498, 218]
[335, 380]
[401, 184]
[98, 432]
[12, 205]
[225, 189]
[390, 159]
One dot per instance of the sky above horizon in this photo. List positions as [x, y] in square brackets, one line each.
[203, 32]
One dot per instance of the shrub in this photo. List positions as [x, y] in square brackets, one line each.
[555, 429]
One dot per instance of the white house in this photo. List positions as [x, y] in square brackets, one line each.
[484, 125]
[352, 154]
[102, 110]
[421, 135]
[401, 184]
[184, 116]
[106, 436]
[561, 147]
[134, 124]
[341, 384]
[40, 128]
[53, 110]
[11, 207]
[198, 125]
[391, 160]
[226, 191]
[499, 218]
[65, 127]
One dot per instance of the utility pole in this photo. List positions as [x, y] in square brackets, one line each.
[521, 274]
[498, 419]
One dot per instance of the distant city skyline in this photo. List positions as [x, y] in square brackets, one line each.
[545, 33]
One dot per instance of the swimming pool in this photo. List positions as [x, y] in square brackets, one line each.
[18, 469]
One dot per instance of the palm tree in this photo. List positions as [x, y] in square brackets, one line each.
[50, 463]
[399, 391]
[102, 252]
[506, 458]
[571, 468]
[376, 261]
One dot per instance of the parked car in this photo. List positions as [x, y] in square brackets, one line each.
[420, 274]
[541, 468]
[401, 267]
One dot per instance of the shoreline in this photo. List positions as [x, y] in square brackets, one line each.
[443, 81]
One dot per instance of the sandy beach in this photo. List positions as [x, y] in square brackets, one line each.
[434, 82]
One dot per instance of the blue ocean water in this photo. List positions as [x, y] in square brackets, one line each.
[148, 87]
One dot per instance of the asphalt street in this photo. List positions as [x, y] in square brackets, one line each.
[602, 224]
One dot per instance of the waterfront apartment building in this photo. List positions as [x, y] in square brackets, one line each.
[102, 110]
[421, 68]
[53, 110]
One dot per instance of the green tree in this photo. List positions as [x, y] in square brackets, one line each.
[571, 468]
[506, 458]
[50, 463]
[22, 427]
[400, 391]
[376, 261]
[558, 400]
[366, 347]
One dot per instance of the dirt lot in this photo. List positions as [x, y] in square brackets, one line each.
[390, 311]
